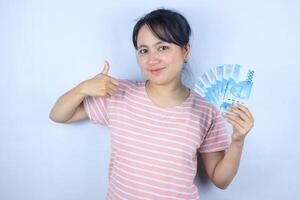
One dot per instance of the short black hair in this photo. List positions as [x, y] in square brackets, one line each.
[167, 25]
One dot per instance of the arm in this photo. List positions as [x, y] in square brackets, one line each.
[221, 167]
[69, 107]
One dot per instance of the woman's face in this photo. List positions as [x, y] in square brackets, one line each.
[160, 62]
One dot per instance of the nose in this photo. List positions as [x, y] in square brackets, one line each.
[153, 58]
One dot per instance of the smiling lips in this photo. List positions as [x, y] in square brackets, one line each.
[156, 70]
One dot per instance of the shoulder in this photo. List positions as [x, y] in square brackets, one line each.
[202, 105]
[127, 86]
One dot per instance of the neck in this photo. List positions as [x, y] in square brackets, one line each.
[173, 90]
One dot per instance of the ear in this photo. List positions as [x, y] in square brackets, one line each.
[186, 50]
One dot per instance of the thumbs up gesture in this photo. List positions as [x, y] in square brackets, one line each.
[102, 85]
[105, 68]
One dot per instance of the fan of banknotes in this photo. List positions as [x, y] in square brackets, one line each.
[226, 84]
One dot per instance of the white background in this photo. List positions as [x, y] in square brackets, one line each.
[48, 47]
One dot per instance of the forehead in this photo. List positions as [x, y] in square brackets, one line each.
[146, 37]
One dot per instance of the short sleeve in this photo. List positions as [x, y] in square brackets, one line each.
[216, 138]
[96, 109]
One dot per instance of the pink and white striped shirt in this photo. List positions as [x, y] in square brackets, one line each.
[154, 149]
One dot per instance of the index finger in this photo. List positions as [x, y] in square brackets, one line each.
[245, 110]
[114, 81]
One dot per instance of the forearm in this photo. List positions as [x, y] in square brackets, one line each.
[66, 105]
[227, 168]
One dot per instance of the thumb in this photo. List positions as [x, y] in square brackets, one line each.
[105, 68]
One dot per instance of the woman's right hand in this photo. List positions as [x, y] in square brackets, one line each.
[102, 85]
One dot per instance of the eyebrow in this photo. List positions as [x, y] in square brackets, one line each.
[157, 43]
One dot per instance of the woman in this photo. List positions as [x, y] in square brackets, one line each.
[158, 126]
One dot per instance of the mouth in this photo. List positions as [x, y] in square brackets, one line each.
[156, 70]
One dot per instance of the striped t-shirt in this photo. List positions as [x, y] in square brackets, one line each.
[154, 149]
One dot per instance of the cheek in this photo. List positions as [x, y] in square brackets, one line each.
[174, 56]
[176, 61]
[142, 61]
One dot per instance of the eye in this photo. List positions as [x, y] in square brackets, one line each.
[142, 51]
[162, 48]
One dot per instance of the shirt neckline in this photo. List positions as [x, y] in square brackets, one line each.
[165, 108]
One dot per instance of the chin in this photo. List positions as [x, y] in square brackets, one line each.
[158, 80]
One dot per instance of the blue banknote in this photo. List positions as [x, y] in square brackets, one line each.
[225, 84]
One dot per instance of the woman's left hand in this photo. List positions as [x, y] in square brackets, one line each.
[242, 121]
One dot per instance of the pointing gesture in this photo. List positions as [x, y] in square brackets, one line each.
[102, 85]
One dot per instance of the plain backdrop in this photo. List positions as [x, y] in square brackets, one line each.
[48, 47]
